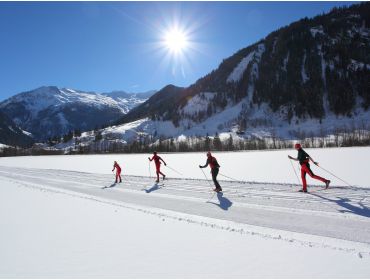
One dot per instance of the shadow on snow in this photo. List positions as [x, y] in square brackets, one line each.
[360, 210]
[224, 203]
[155, 187]
[111, 186]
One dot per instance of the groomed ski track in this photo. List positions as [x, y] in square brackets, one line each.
[337, 218]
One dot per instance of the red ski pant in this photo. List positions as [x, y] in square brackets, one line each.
[118, 175]
[158, 170]
[305, 168]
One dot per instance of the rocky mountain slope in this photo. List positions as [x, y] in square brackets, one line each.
[50, 111]
[11, 134]
[311, 76]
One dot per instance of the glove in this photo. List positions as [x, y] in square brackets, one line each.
[200, 166]
[316, 163]
[165, 164]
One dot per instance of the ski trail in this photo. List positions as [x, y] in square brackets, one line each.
[357, 249]
[341, 213]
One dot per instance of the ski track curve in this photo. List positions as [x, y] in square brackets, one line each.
[339, 212]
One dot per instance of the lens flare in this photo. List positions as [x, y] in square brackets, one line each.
[176, 40]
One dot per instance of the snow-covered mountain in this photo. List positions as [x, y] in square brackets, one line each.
[49, 111]
[11, 134]
[309, 78]
[128, 101]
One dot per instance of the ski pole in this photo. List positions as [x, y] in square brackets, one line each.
[114, 175]
[334, 175]
[240, 181]
[173, 170]
[294, 171]
[150, 172]
[205, 176]
[233, 178]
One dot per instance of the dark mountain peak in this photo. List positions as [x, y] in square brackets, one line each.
[170, 87]
[160, 102]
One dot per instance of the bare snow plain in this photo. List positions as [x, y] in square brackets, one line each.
[62, 217]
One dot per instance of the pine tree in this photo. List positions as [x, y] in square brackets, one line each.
[207, 143]
[217, 144]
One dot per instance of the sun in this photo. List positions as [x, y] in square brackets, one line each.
[176, 40]
[176, 45]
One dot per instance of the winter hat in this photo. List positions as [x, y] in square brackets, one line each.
[297, 146]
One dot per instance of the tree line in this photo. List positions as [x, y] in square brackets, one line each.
[340, 138]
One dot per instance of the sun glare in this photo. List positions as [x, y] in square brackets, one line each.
[177, 45]
[176, 41]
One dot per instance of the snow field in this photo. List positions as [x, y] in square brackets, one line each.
[349, 164]
[61, 217]
[71, 235]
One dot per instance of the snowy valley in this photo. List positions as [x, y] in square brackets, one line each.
[84, 225]
[62, 215]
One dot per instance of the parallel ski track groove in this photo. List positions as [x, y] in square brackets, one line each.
[339, 212]
[232, 190]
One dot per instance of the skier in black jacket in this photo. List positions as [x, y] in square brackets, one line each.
[215, 167]
[304, 159]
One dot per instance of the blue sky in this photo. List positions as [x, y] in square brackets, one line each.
[106, 46]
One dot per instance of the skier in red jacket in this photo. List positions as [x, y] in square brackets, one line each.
[214, 170]
[304, 159]
[157, 160]
[118, 171]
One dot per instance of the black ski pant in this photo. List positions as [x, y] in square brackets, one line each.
[214, 173]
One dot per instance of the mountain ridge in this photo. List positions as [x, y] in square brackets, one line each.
[49, 111]
[314, 70]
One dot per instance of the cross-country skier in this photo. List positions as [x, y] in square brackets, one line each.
[157, 160]
[304, 159]
[118, 171]
[215, 167]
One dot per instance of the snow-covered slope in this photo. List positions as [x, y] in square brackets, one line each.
[50, 111]
[128, 101]
[263, 122]
[179, 228]
[309, 78]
